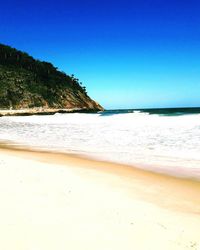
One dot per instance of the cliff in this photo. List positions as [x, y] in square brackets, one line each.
[26, 83]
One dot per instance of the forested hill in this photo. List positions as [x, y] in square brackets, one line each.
[29, 83]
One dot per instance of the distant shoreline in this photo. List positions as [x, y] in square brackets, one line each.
[43, 111]
[52, 111]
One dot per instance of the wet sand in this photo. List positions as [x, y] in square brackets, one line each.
[58, 201]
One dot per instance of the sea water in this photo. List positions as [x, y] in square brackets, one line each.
[163, 140]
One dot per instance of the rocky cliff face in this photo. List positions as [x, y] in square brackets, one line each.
[29, 83]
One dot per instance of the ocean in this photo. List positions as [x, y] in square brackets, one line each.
[162, 140]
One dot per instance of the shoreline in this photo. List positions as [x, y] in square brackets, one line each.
[158, 179]
[44, 111]
[64, 201]
[153, 169]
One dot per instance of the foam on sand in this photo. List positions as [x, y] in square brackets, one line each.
[168, 144]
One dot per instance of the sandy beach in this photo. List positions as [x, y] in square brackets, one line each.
[53, 201]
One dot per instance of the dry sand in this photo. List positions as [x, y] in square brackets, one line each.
[56, 202]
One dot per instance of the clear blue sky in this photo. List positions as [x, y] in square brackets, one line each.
[129, 54]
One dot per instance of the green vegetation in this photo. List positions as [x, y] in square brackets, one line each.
[26, 83]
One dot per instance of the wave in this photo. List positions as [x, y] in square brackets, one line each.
[138, 138]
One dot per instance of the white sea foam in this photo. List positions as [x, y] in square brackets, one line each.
[162, 143]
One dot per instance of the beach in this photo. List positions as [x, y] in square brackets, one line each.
[61, 201]
[99, 125]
